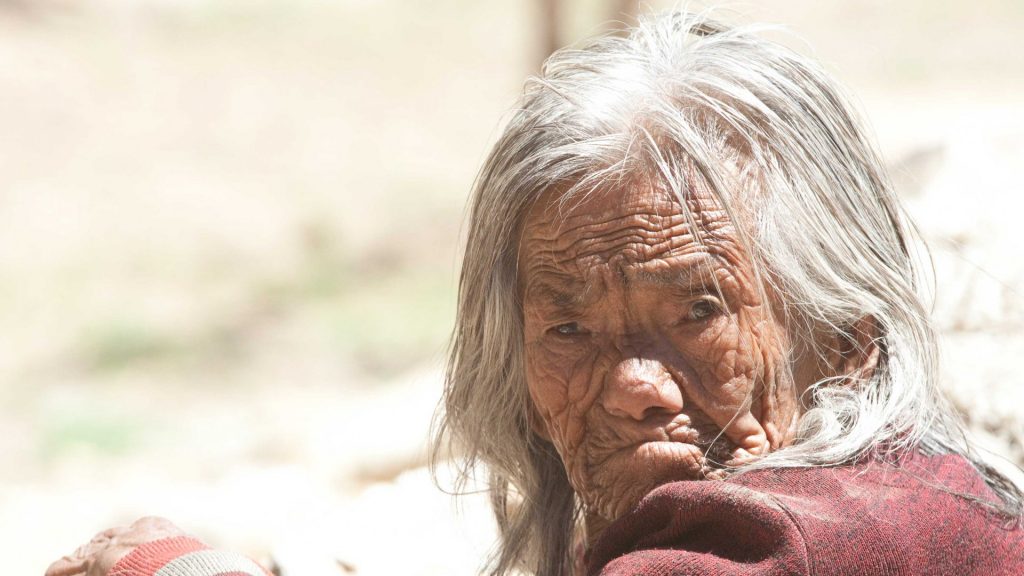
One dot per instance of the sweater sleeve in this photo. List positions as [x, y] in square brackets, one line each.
[184, 556]
[872, 519]
[699, 528]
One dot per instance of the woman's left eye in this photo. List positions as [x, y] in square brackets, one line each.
[701, 310]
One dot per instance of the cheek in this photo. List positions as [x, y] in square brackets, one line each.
[563, 385]
[723, 366]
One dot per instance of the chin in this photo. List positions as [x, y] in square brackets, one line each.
[618, 483]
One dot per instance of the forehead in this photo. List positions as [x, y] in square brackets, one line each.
[625, 232]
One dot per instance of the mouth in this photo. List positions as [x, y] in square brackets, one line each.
[675, 454]
[681, 448]
[623, 463]
[683, 434]
[680, 457]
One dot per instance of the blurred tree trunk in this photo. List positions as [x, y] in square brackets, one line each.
[551, 28]
[623, 14]
[625, 11]
[21, 6]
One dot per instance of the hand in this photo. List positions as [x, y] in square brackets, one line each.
[99, 555]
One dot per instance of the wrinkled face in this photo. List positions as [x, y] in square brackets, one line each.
[650, 357]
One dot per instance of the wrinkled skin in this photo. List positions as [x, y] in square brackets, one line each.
[641, 372]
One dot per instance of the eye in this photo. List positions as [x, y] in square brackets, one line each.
[568, 329]
[702, 310]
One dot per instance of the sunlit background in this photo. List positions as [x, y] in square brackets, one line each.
[229, 239]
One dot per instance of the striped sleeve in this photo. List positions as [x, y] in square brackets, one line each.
[184, 556]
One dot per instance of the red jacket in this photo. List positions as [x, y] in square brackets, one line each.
[867, 520]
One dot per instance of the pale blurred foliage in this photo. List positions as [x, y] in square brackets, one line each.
[228, 249]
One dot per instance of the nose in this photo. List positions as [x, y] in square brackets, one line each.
[639, 388]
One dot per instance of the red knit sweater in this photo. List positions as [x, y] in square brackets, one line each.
[868, 520]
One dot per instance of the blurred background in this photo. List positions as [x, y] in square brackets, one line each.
[229, 241]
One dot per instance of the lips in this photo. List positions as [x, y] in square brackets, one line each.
[699, 450]
[683, 434]
[676, 456]
[676, 447]
[625, 459]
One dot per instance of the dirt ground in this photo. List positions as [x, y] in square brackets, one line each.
[229, 238]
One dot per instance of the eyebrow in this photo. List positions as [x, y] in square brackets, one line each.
[699, 273]
[672, 278]
[569, 296]
[565, 296]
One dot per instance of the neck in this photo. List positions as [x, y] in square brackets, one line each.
[593, 527]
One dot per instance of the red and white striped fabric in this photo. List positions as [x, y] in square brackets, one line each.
[184, 556]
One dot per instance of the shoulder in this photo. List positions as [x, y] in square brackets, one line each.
[700, 527]
[917, 516]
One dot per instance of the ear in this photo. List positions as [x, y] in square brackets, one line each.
[854, 355]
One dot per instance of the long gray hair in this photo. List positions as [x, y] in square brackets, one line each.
[680, 99]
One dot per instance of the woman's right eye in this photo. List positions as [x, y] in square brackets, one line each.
[568, 329]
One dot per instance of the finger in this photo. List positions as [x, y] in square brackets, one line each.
[101, 538]
[111, 532]
[84, 551]
[152, 528]
[106, 560]
[68, 566]
[154, 523]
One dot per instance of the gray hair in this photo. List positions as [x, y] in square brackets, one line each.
[680, 99]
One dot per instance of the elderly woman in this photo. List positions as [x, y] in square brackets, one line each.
[691, 335]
